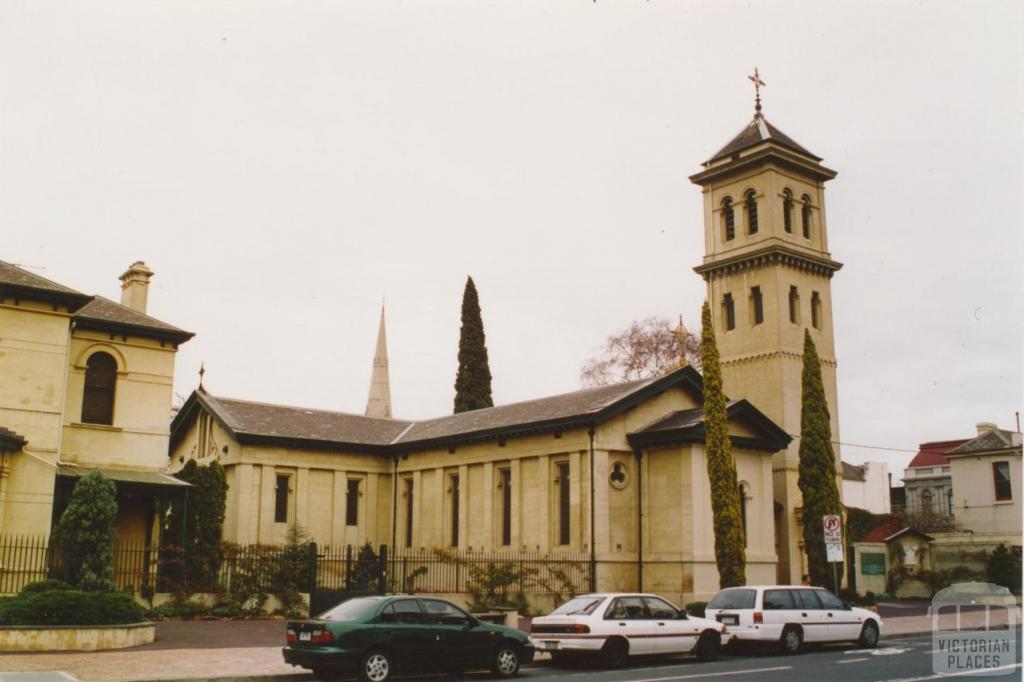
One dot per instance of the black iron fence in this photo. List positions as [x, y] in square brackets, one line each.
[309, 568]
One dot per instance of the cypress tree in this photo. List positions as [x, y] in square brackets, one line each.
[817, 479]
[473, 380]
[204, 522]
[725, 498]
[85, 534]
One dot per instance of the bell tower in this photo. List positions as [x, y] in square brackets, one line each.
[769, 272]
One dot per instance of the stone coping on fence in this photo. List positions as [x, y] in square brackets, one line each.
[75, 637]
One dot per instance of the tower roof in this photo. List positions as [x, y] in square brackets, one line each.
[757, 131]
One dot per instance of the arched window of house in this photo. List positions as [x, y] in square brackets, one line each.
[805, 215]
[787, 210]
[98, 396]
[751, 205]
[728, 220]
[926, 500]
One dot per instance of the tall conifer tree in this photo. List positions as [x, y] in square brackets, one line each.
[725, 498]
[85, 535]
[817, 479]
[473, 380]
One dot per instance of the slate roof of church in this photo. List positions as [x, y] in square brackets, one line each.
[255, 421]
[588, 401]
[105, 313]
[248, 418]
[688, 426]
[9, 440]
[757, 131]
[996, 439]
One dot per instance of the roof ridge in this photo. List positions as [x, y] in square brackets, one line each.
[300, 407]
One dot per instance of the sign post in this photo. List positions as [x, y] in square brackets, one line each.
[833, 527]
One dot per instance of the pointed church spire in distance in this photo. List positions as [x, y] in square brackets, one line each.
[379, 402]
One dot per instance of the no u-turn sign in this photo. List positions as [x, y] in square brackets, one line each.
[833, 538]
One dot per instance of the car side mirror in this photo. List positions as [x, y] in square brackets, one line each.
[847, 605]
[682, 615]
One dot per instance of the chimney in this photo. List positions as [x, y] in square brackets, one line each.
[135, 286]
[985, 427]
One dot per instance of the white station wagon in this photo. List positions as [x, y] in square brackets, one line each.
[789, 615]
[617, 626]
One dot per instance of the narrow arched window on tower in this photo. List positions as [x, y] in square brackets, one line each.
[794, 305]
[805, 214]
[100, 382]
[787, 210]
[757, 304]
[815, 310]
[728, 220]
[751, 204]
[728, 312]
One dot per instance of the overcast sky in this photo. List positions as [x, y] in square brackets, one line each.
[283, 166]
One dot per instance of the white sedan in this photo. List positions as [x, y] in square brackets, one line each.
[617, 626]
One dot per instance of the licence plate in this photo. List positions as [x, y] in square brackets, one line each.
[729, 620]
[549, 644]
[305, 636]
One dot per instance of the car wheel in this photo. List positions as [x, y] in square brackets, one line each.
[376, 667]
[792, 639]
[505, 662]
[615, 652]
[868, 635]
[708, 645]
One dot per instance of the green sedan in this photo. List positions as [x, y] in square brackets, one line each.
[378, 637]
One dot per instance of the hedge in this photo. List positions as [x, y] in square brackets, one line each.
[70, 607]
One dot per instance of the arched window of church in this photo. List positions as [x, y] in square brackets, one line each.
[794, 305]
[728, 219]
[787, 210]
[805, 214]
[751, 205]
[100, 382]
[926, 500]
[729, 312]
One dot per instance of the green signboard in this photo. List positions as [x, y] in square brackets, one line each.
[872, 564]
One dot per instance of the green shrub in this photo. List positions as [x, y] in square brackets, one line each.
[46, 586]
[70, 607]
[180, 609]
[84, 535]
[696, 608]
[1004, 568]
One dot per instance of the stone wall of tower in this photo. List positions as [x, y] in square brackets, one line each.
[762, 361]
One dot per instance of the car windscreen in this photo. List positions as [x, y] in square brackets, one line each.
[578, 606]
[350, 610]
[733, 599]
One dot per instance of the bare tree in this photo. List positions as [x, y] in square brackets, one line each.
[644, 349]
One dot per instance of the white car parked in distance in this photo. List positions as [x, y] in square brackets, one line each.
[617, 626]
[790, 615]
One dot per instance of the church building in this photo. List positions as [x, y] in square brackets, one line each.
[615, 472]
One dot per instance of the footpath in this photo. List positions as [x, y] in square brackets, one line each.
[233, 651]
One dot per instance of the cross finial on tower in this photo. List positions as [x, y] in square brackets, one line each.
[758, 84]
[202, 371]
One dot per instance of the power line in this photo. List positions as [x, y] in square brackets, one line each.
[868, 447]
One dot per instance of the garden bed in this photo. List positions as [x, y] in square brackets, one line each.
[74, 637]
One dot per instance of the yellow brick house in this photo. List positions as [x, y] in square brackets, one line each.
[85, 383]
